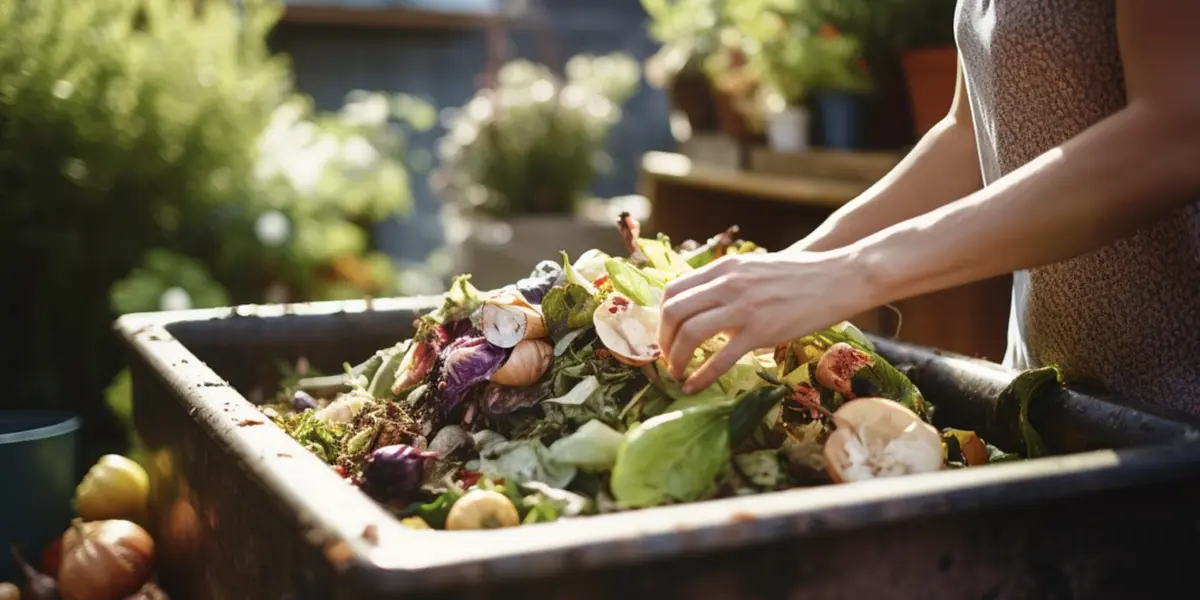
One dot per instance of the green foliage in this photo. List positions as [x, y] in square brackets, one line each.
[891, 24]
[796, 48]
[153, 153]
[532, 145]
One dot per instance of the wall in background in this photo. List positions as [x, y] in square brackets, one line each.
[443, 67]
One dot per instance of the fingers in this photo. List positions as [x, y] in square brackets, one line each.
[692, 333]
[719, 363]
[678, 310]
[698, 277]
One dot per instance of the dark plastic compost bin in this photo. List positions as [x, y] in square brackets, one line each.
[241, 511]
[37, 482]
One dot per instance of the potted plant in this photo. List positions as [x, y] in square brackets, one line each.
[518, 159]
[806, 65]
[929, 58]
[840, 86]
[687, 31]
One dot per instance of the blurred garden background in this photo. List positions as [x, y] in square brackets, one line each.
[171, 154]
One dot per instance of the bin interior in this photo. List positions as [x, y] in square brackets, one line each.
[248, 352]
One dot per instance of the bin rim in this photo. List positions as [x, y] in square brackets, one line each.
[61, 423]
[364, 541]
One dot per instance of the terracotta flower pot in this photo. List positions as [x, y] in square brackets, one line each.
[931, 75]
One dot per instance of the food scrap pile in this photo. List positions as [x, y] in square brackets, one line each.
[550, 399]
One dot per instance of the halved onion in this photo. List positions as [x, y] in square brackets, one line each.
[628, 330]
[876, 438]
[508, 319]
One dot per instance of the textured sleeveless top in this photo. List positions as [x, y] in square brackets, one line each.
[1125, 318]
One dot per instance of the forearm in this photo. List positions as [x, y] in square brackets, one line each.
[943, 167]
[1119, 175]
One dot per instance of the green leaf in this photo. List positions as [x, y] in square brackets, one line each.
[633, 283]
[381, 382]
[662, 257]
[751, 408]
[459, 302]
[579, 393]
[881, 379]
[523, 461]
[435, 511]
[567, 308]
[573, 277]
[675, 456]
[592, 447]
[1012, 407]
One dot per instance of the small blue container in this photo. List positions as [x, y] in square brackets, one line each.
[37, 479]
[842, 115]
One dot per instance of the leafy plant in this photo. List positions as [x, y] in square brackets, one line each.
[153, 155]
[796, 50]
[532, 145]
[688, 31]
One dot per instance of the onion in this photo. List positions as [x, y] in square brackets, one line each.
[530, 359]
[509, 319]
[39, 585]
[482, 509]
[876, 438]
[9, 591]
[104, 560]
[628, 330]
[114, 488]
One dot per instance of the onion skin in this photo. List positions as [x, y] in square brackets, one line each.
[529, 361]
[854, 413]
[105, 560]
[531, 324]
[609, 330]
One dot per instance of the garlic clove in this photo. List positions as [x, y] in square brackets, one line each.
[507, 320]
[628, 330]
[528, 362]
[877, 438]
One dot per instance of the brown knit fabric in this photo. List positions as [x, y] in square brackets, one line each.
[1125, 317]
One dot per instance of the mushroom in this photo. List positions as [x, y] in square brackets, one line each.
[508, 319]
[628, 330]
[876, 438]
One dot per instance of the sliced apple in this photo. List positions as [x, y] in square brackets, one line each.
[508, 319]
[628, 330]
[877, 438]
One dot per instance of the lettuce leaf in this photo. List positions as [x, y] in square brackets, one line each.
[634, 283]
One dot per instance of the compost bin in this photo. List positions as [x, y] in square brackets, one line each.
[242, 511]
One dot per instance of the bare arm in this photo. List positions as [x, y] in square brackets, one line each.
[943, 167]
[1120, 174]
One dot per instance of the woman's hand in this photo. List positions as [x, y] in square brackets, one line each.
[761, 301]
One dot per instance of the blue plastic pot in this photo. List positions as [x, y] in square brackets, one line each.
[842, 116]
[37, 474]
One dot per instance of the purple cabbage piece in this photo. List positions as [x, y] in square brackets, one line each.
[500, 400]
[395, 473]
[302, 401]
[466, 362]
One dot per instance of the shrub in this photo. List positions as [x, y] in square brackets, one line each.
[142, 148]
